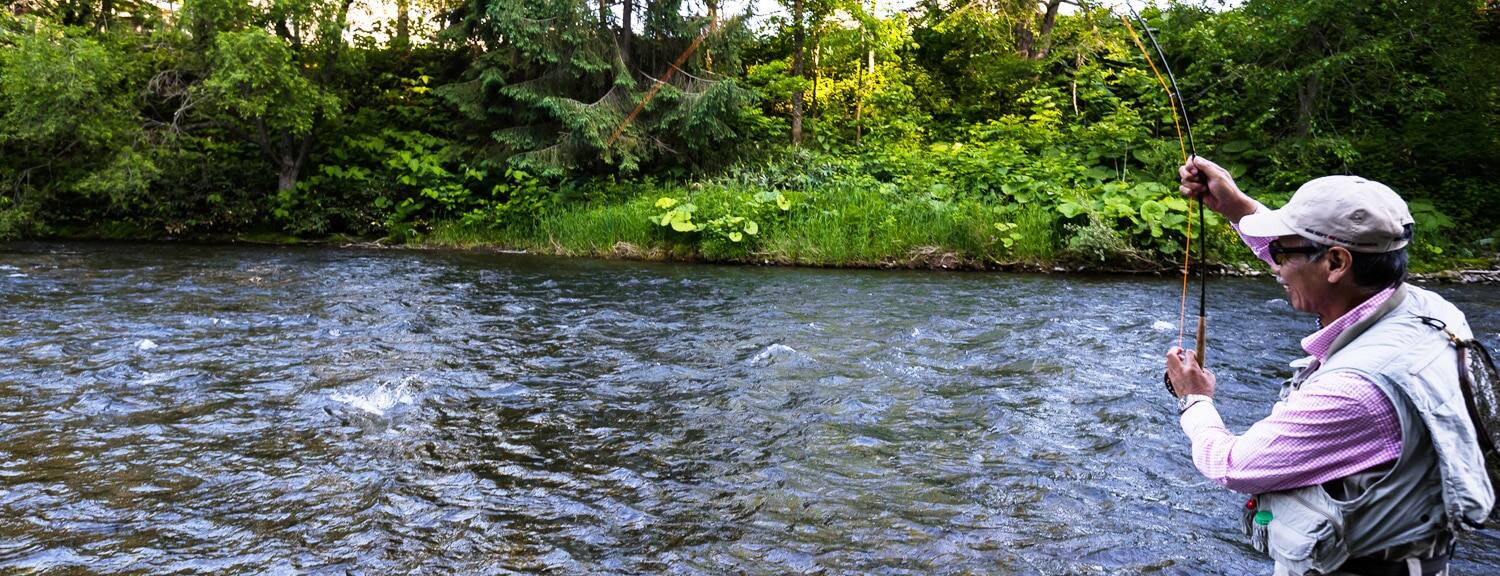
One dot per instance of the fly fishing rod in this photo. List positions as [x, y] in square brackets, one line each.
[1189, 152]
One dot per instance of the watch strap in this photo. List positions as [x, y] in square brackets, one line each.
[1191, 400]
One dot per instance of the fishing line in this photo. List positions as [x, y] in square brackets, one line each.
[1189, 151]
[651, 93]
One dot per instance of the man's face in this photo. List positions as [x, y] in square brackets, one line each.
[1305, 281]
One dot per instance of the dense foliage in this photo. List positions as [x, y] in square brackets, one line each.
[953, 133]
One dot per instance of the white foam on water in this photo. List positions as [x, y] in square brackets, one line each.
[379, 400]
[146, 344]
[7, 267]
[18, 275]
[772, 352]
[1163, 326]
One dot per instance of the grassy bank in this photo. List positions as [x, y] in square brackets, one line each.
[982, 205]
[944, 207]
[843, 224]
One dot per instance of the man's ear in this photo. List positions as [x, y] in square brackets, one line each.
[1340, 264]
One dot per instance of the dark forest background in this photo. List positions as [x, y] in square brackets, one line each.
[827, 132]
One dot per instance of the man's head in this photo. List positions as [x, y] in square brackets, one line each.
[1339, 240]
[1363, 216]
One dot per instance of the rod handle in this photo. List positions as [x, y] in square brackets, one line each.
[1202, 331]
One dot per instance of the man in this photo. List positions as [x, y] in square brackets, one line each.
[1368, 464]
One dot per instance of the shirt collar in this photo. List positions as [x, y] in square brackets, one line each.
[1318, 343]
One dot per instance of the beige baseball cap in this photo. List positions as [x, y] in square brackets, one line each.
[1359, 214]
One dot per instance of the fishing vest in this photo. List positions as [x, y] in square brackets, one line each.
[1438, 483]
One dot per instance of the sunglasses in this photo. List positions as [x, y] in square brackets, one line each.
[1279, 253]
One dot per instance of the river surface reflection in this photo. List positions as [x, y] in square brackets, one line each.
[175, 409]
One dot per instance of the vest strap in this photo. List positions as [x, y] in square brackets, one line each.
[1368, 566]
[1426, 557]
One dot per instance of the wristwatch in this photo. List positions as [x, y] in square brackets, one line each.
[1189, 400]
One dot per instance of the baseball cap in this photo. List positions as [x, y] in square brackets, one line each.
[1356, 213]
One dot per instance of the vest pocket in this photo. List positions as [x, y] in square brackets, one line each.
[1304, 531]
[1298, 544]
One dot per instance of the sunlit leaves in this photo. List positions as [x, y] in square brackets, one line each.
[56, 87]
[254, 77]
[68, 120]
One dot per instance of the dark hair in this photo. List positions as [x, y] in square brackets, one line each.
[1379, 271]
[1374, 271]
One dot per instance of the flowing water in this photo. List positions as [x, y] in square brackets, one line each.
[174, 409]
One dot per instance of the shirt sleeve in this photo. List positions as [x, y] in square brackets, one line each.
[1260, 245]
[1334, 426]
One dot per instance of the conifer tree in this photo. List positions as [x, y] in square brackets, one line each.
[558, 90]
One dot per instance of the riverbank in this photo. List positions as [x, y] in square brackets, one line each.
[838, 214]
[950, 207]
[930, 257]
[924, 258]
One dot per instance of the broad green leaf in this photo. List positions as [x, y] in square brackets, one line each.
[1070, 209]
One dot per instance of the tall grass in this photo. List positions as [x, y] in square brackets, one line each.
[858, 223]
[833, 213]
[598, 229]
[874, 225]
[1037, 226]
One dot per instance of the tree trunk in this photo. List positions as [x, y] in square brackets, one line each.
[627, 30]
[798, 39]
[403, 24]
[813, 109]
[713, 28]
[871, 44]
[859, 98]
[653, 33]
[1310, 88]
[868, 68]
[1025, 39]
[604, 15]
[1040, 49]
[286, 178]
[1073, 84]
[1307, 103]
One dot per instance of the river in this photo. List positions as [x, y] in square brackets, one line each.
[177, 409]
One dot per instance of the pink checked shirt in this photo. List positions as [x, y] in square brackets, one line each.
[1333, 426]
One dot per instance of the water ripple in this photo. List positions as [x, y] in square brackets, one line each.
[231, 410]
